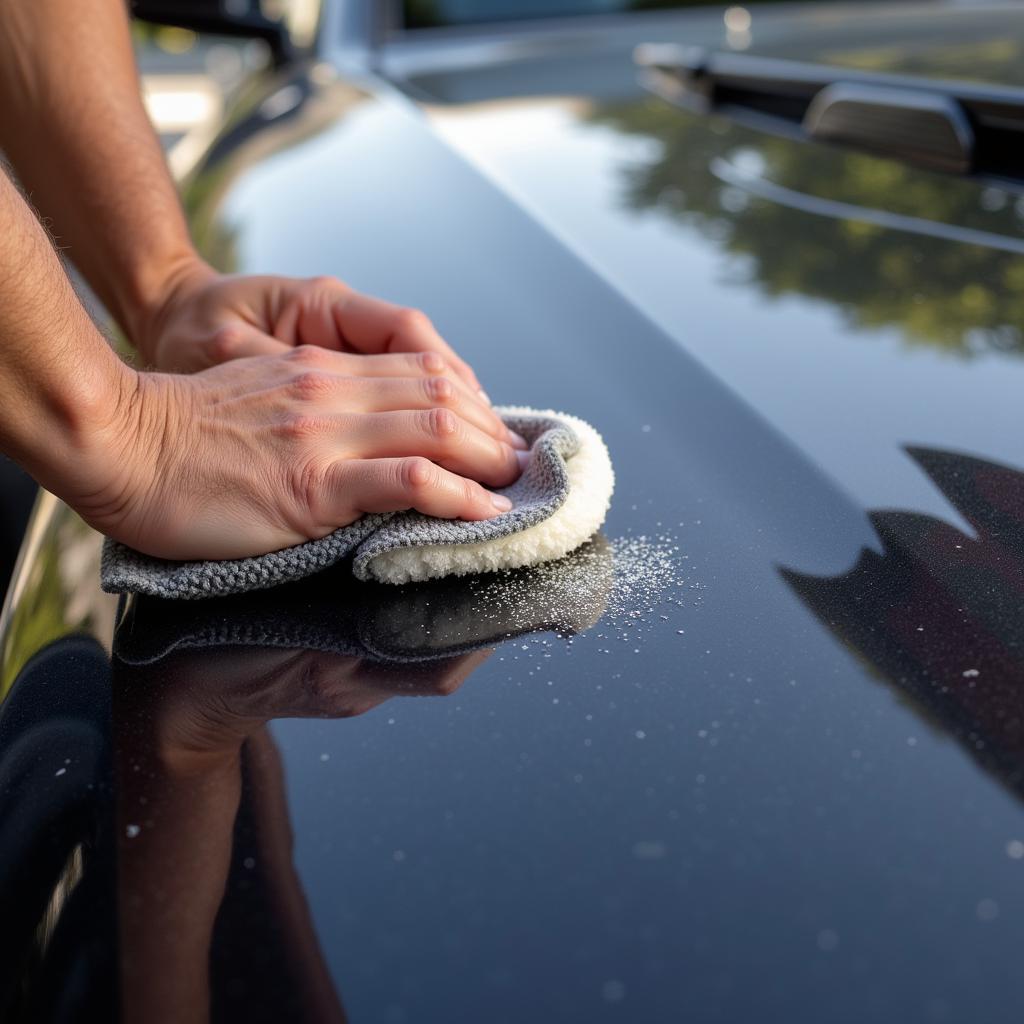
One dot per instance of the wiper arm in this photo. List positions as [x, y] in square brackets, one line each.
[949, 126]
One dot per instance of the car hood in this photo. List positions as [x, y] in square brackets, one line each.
[859, 304]
[761, 749]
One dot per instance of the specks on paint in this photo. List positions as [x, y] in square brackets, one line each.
[650, 849]
[613, 991]
[987, 910]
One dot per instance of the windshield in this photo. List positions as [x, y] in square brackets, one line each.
[434, 13]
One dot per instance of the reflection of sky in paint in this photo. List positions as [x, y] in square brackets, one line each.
[734, 821]
[781, 828]
[849, 403]
[850, 414]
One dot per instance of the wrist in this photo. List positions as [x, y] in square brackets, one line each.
[151, 296]
[113, 450]
[68, 419]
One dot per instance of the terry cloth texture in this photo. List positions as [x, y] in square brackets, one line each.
[558, 502]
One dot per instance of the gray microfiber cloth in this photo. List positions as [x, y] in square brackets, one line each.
[558, 502]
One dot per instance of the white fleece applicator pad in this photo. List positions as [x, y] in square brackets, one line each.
[588, 484]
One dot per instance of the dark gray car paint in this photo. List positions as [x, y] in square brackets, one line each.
[796, 796]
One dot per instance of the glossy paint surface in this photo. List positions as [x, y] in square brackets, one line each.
[764, 763]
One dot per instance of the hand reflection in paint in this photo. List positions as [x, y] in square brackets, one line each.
[205, 833]
[214, 923]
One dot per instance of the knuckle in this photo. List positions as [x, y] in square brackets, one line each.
[440, 390]
[324, 281]
[447, 686]
[471, 492]
[225, 343]
[306, 355]
[310, 384]
[416, 474]
[440, 424]
[309, 483]
[297, 427]
[412, 320]
[428, 362]
[314, 679]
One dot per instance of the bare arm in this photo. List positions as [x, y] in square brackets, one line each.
[236, 460]
[73, 124]
[61, 385]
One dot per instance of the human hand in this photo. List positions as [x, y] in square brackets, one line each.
[208, 701]
[205, 318]
[272, 451]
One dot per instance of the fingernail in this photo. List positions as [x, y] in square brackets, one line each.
[518, 441]
[486, 397]
[523, 458]
[501, 503]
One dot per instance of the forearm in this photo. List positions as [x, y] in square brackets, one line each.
[60, 383]
[73, 125]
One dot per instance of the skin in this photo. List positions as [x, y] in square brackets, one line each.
[310, 403]
[179, 772]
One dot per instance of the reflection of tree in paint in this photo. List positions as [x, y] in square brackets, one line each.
[958, 297]
[941, 54]
[938, 613]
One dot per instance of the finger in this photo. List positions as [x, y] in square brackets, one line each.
[441, 436]
[391, 394]
[453, 672]
[307, 316]
[348, 364]
[335, 689]
[358, 486]
[423, 678]
[372, 325]
[333, 368]
[237, 341]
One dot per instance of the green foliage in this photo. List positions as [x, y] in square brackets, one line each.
[36, 620]
[47, 608]
[945, 56]
[961, 298]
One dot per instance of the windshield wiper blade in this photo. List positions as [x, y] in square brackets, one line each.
[960, 127]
